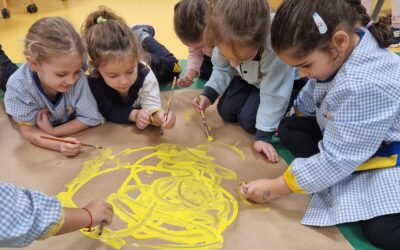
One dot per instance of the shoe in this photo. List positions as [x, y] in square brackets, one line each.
[143, 31]
[396, 37]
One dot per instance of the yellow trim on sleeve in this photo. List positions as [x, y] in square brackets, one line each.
[54, 228]
[291, 181]
[177, 68]
[378, 162]
[24, 123]
[153, 120]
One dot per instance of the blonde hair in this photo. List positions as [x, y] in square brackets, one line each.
[52, 36]
[237, 23]
[107, 37]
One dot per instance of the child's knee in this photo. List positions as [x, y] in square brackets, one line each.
[248, 123]
[226, 113]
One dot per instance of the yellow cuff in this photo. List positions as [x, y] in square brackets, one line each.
[24, 124]
[54, 228]
[291, 181]
[153, 120]
[177, 68]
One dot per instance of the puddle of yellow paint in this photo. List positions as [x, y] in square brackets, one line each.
[186, 209]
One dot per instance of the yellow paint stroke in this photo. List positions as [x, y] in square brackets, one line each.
[188, 115]
[234, 149]
[188, 209]
[261, 207]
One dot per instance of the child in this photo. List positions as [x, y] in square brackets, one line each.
[125, 88]
[189, 23]
[162, 62]
[7, 68]
[395, 18]
[354, 100]
[27, 215]
[49, 95]
[257, 94]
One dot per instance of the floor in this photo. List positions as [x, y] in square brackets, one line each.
[159, 13]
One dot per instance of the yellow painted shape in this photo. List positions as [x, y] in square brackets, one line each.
[187, 209]
[188, 115]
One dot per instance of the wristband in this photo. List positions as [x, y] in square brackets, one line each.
[89, 228]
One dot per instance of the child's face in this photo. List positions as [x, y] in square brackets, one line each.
[241, 55]
[58, 74]
[119, 74]
[318, 64]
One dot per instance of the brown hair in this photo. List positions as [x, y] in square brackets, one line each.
[294, 27]
[237, 23]
[189, 20]
[107, 37]
[52, 36]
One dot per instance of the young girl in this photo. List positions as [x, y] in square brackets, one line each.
[257, 94]
[49, 95]
[125, 88]
[354, 100]
[189, 23]
[27, 215]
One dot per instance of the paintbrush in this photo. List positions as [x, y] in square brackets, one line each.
[168, 106]
[206, 128]
[101, 229]
[70, 142]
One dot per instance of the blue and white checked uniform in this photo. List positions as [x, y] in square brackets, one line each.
[24, 98]
[357, 110]
[26, 215]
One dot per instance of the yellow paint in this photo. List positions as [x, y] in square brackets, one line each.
[188, 209]
[261, 207]
[188, 115]
[234, 149]
[210, 138]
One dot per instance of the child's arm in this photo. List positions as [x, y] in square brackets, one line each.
[94, 214]
[33, 134]
[65, 129]
[42, 216]
[193, 65]
[220, 77]
[265, 190]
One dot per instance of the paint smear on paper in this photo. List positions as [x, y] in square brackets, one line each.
[187, 209]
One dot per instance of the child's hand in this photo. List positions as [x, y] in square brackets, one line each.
[169, 123]
[42, 121]
[267, 149]
[102, 212]
[142, 119]
[264, 190]
[185, 81]
[69, 149]
[201, 102]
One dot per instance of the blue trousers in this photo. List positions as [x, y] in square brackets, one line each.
[162, 61]
[239, 103]
[7, 68]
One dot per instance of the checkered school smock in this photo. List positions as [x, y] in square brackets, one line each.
[357, 110]
[26, 215]
[25, 97]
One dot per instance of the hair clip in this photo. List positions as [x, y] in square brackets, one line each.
[101, 19]
[321, 25]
